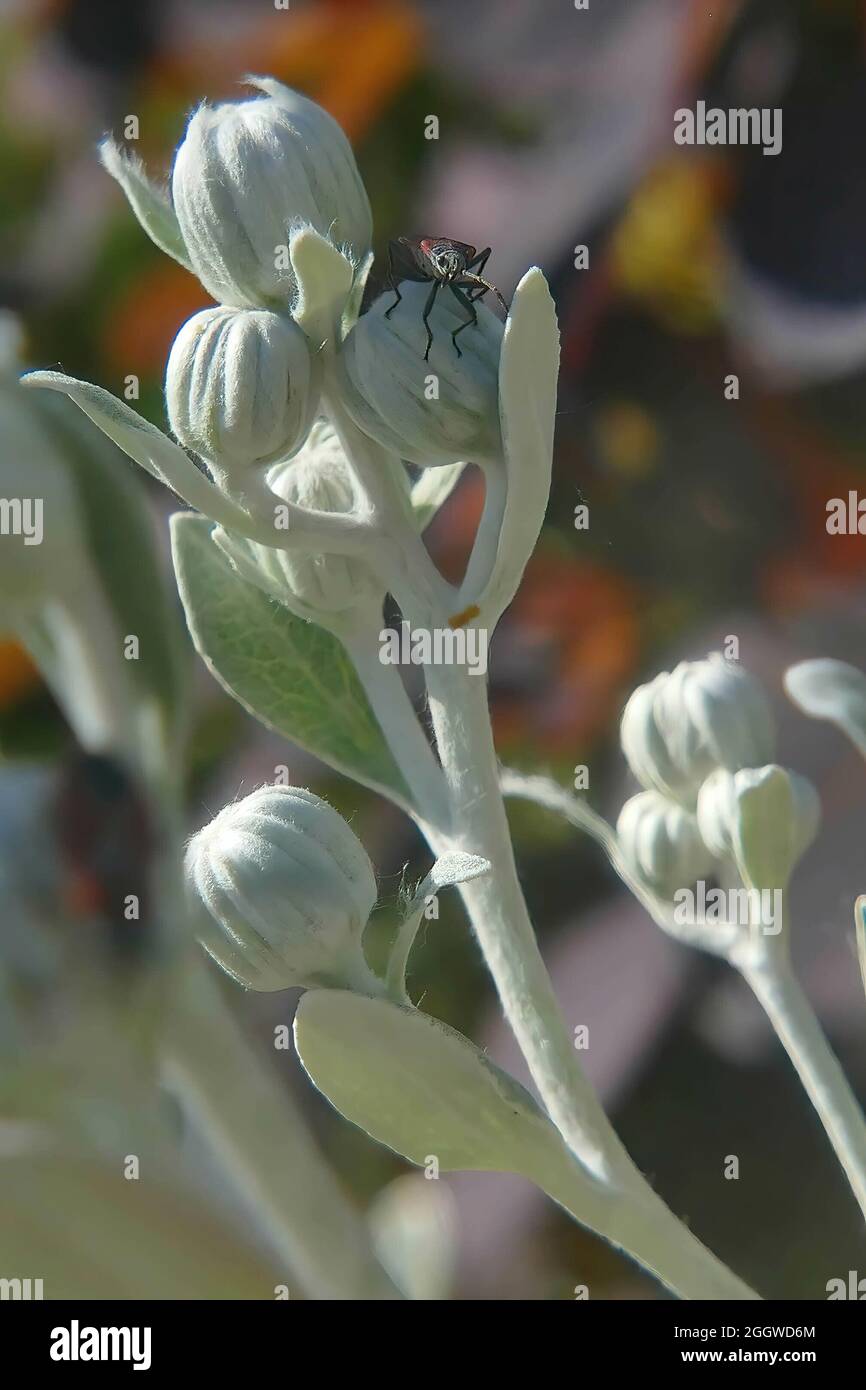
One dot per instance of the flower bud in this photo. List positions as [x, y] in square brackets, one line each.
[660, 842]
[434, 412]
[281, 890]
[318, 478]
[687, 722]
[241, 389]
[763, 818]
[249, 171]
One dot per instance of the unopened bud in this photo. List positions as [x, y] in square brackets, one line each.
[763, 818]
[430, 412]
[241, 389]
[660, 842]
[281, 890]
[248, 172]
[702, 715]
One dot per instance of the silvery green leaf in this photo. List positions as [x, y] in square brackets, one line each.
[156, 453]
[150, 203]
[433, 487]
[422, 1089]
[292, 675]
[831, 690]
[123, 549]
[528, 369]
[450, 869]
[324, 277]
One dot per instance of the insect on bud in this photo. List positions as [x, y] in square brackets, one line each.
[281, 889]
[241, 389]
[702, 715]
[763, 818]
[432, 412]
[661, 843]
[249, 171]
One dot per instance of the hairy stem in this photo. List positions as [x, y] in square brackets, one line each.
[780, 995]
[543, 791]
[401, 726]
[636, 1218]
[639, 1224]
[458, 706]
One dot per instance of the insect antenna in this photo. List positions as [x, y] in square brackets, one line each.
[478, 280]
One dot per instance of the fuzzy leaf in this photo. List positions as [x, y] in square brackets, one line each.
[450, 869]
[421, 1088]
[831, 690]
[292, 675]
[150, 203]
[124, 552]
[324, 277]
[528, 371]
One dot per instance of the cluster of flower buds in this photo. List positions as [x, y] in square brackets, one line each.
[700, 740]
[280, 891]
[268, 209]
[243, 380]
[687, 722]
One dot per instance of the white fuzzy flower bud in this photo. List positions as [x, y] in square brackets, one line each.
[435, 412]
[661, 843]
[316, 586]
[689, 721]
[763, 818]
[241, 387]
[281, 890]
[246, 173]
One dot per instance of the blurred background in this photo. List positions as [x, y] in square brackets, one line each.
[707, 514]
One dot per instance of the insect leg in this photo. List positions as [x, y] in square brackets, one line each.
[426, 315]
[466, 303]
[392, 285]
[479, 261]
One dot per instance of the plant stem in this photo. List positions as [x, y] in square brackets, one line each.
[635, 1218]
[458, 706]
[780, 995]
[267, 1149]
[767, 973]
[471, 816]
[393, 708]
[543, 791]
[638, 1223]
[411, 575]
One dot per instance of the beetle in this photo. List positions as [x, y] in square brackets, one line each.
[439, 261]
